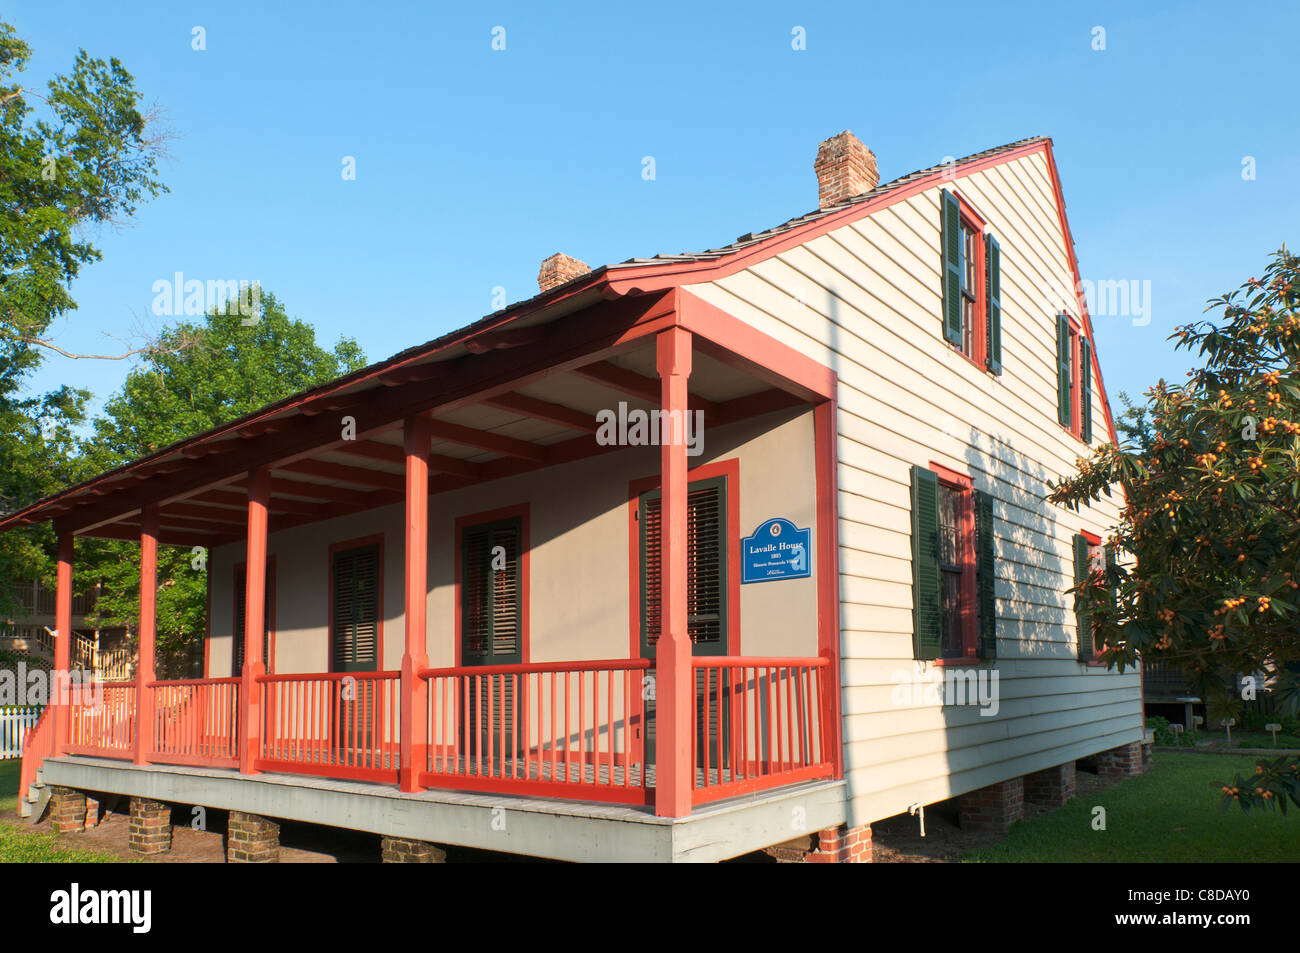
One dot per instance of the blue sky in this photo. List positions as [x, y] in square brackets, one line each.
[473, 164]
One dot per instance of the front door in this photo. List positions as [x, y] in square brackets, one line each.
[491, 634]
[354, 648]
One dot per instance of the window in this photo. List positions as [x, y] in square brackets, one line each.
[268, 627]
[1090, 557]
[972, 284]
[1074, 378]
[356, 622]
[707, 572]
[953, 569]
[492, 592]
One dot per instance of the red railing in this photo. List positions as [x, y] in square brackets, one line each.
[568, 730]
[195, 721]
[759, 723]
[341, 725]
[101, 720]
[38, 746]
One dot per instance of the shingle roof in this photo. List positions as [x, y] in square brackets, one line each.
[753, 238]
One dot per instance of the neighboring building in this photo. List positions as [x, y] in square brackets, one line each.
[537, 642]
[28, 633]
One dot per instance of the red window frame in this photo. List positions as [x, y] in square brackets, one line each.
[1095, 552]
[972, 220]
[964, 484]
[1076, 379]
[522, 512]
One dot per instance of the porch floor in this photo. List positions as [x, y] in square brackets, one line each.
[539, 827]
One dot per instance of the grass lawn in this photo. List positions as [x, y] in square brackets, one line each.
[19, 844]
[1169, 814]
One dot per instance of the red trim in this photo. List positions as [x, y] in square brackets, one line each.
[1092, 538]
[726, 338]
[522, 511]
[729, 470]
[377, 538]
[269, 661]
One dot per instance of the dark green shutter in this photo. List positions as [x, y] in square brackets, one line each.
[491, 603]
[706, 567]
[993, 255]
[1063, 369]
[1085, 388]
[927, 631]
[1081, 618]
[950, 222]
[356, 609]
[986, 575]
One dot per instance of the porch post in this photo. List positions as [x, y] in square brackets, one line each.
[415, 701]
[62, 639]
[250, 701]
[674, 689]
[826, 455]
[148, 629]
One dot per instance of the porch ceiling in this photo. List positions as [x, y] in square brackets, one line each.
[507, 403]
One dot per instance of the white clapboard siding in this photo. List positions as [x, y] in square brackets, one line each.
[15, 725]
[865, 299]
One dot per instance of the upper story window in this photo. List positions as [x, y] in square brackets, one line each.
[1073, 378]
[972, 284]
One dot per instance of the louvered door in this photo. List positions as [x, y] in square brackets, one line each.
[706, 595]
[355, 620]
[491, 621]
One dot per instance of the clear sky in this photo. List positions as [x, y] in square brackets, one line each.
[474, 164]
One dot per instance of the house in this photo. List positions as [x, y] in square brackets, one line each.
[479, 594]
[27, 634]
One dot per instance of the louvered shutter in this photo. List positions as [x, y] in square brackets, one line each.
[993, 294]
[706, 568]
[950, 273]
[356, 609]
[1063, 370]
[986, 575]
[1085, 388]
[1082, 620]
[491, 609]
[241, 607]
[927, 634]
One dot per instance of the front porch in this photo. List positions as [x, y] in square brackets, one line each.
[576, 831]
[410, 459]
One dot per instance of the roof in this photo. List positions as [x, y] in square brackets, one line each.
[580, 292]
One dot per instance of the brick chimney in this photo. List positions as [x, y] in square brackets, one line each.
[845, 168]
[558, 269]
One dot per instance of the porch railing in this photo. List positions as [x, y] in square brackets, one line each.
[101, 720]
[341, 725]
[759, 723]
[580, 730]
[568, 730]
[195, 721]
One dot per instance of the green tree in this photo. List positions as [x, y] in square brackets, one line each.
[1211, 479]
[74, 155]
[225, 369]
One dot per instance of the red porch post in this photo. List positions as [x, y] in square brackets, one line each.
[415, 700]
[62, 638]
[674, 691]
[826, 455]
[148, 629]
[250, 701]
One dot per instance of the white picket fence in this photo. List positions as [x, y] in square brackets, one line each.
[15, 725]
